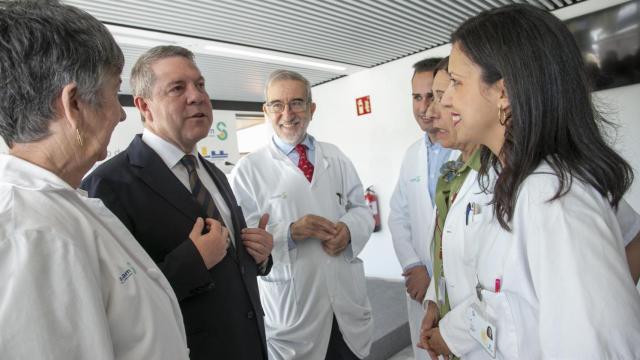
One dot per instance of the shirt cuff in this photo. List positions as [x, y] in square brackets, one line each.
[263, 266]
[412, 265]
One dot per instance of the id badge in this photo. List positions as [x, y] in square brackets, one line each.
[481, 329]
[442, 287]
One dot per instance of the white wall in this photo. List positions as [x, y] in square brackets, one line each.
[252, 138]
[622, 107]
[221, 137]
[376, 142]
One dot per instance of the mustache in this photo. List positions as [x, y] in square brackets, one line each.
[290, 121]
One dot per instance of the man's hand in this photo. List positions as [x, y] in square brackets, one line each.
[429, 322]
[211, 245]
[416, 279]
[258, 241]
[335, 245]
[437, 343]
[313, 226]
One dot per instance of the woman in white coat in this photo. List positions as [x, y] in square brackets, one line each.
[460, 199]
[550, 269]
[75, 283]
[448, 328]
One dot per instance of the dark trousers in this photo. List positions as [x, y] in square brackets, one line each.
[338, 349]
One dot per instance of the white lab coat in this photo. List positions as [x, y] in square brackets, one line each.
[411, 222]
[629, 221]
[459, 247]
[75, 283]
[306, 286]
[566, 287]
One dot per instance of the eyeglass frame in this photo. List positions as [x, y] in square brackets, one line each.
[269, 106]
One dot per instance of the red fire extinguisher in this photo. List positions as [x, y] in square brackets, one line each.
[372, 200]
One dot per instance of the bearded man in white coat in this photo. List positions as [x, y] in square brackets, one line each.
[315, 299]
[412, 203]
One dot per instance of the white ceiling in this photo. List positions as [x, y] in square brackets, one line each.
[352, 34]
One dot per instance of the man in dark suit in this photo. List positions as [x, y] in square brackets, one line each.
[182, 211]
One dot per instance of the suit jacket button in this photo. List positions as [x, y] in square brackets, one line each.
[242, 269]
[250, 315]
[211, 285]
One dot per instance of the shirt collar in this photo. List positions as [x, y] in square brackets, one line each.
[308, 141]
[168, 152]
[473, 162]
[431, 145]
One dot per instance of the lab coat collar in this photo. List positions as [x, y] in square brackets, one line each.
[286, 148]
[321, 164]
[26, 175]
[472, 176]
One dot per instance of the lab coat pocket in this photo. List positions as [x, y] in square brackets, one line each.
[499, 310]
[473, 236]
[278, 295]
[359, 284]
[340, 204]
[280, 206]
[280, 273]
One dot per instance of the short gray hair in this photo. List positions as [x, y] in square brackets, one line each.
[142, 76]
[44, 46]
[279, 75]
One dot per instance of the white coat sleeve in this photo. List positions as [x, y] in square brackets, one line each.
[587, 307]
[245, 193]
[454, 328]
[629, 221]
[400, 224]
[358, 217]
[52, 305]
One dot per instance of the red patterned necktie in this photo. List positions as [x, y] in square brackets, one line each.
[303, 163]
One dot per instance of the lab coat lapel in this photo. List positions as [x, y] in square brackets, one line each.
[472, 177]
[321, 165]
[423, 172]
[277, 155]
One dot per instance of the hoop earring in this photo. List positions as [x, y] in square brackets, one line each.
[502, 116]
[79, 138]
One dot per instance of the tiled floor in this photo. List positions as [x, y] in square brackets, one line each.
[405, 354]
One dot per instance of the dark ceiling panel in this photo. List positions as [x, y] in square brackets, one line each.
[363, 33]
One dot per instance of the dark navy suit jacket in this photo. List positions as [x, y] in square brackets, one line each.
[221, 306]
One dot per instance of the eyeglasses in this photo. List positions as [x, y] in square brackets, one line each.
[276, 107]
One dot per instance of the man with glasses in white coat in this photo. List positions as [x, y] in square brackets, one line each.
[315, 300]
